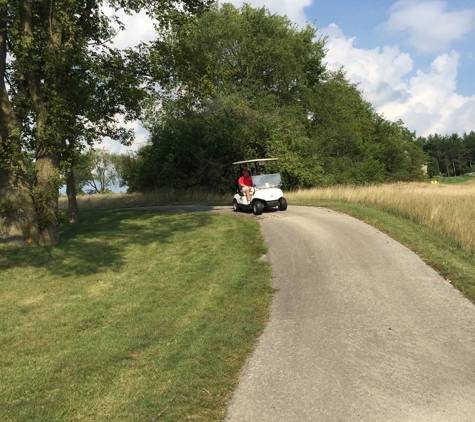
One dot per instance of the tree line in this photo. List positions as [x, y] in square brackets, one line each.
[452, 155]
[245, 83]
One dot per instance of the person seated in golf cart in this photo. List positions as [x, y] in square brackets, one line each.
[245, 183]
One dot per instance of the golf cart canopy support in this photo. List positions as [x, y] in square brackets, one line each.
[257, 160]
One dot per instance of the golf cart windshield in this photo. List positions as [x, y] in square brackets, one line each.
[267, 180]
[264, 172]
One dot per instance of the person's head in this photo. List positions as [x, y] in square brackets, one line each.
[245, 171]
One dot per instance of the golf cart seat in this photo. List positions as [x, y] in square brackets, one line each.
[238, 187]
[239, 190]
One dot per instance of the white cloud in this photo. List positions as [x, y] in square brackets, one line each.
[141, 137]
[293, 9]
[427, 102]
[429, 25]
[432, 104]
[139, 28]
[378, 72]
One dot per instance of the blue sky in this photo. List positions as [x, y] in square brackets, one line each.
[413, 59]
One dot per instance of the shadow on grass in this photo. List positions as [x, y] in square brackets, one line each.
[102, 240]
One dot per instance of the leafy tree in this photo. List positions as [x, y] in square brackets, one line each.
[401, 154]
[432, 146]
[469, 142]
[433, 167]
[455, 154]
[241, 83]
[238, 84]
[98, 170]
[342, 125]
[62, 88]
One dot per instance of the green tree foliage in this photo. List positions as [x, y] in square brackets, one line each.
[469, 142]
[62, 88]
[97, 170]
[245, 83]
[455, 154]
[433, 167]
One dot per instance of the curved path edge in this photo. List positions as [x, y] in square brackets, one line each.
[361, 329]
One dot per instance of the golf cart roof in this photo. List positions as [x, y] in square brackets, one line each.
[257, 160]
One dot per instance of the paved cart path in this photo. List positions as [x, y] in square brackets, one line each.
[361, 330]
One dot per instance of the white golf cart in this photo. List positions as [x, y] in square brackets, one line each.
[266, 183]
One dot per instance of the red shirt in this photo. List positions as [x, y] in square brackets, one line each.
[245, 180]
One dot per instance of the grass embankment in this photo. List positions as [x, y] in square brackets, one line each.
[436, 221]
[455, 179]
[132, 312]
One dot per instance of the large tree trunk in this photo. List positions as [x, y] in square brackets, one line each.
[46, 198]
[18, 222]
[73, 210]
[46, 189]
[18, 219]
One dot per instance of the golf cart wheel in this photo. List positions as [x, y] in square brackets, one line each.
[257, 207]
[236, 206]
[282, 204]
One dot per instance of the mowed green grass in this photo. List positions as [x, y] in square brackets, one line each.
[133, 315]
[456, 179]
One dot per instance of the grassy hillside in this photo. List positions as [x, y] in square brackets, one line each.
[456, 179]
[133, 315]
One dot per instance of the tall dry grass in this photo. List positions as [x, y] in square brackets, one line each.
[157, 197]
[447, 209]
